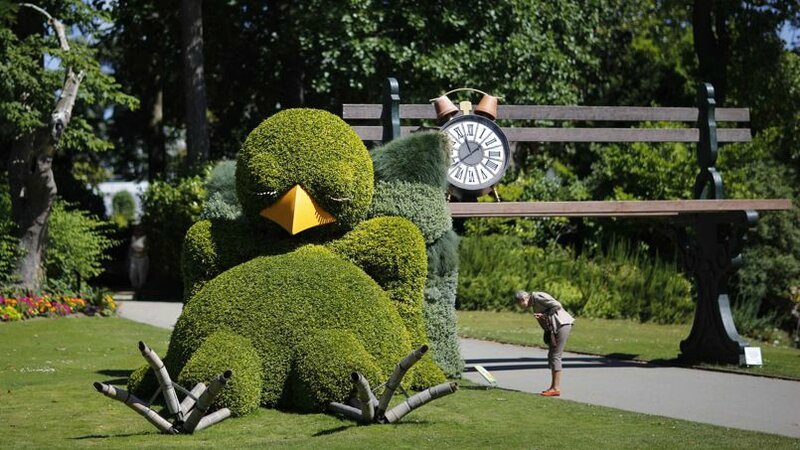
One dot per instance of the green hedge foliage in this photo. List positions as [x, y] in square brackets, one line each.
[535, 185]
[411, 182]
[313, 148]
[9, 245]
[76, 246]
[123, 208]
[440, 321]
[392, 252]
[277, 301]
[417, 158]
[321, 374]
[443, 255]
[169, 209]
[221, 187]
[213, 246]
[422, 204]
[223, 351]
[621, 283]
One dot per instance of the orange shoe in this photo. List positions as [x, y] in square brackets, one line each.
[551, 393]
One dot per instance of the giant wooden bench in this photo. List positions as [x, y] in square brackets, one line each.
[710, 255]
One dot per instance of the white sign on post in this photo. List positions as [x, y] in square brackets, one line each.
[486, 375]
[752, 356]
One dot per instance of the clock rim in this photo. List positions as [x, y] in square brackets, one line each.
[480, 190]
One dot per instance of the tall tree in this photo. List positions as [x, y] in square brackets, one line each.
[36, 128]
[194, 84]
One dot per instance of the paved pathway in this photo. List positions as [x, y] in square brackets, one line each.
[738, 401]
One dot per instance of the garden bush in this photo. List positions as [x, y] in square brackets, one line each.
[213, 246]
[9, 244]
[277, 301]
[169, 209]
[76, 246]
[534, 186]
[418, 158]
[391, 251]
[284, 150]
[422, 204]
[760, 289]
[622, 282]
[227, 351]
[123, 209]
[410, 175]
[221, 188]
[321, 374]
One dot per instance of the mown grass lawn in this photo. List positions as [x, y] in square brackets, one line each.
[47, 401]
[617, 339]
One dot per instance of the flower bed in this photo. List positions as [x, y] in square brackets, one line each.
[20, 306]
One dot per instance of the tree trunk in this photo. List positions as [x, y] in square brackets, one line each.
[33, 190]
[30, 174]
[194, 85]
[712, 44]
[155, 140]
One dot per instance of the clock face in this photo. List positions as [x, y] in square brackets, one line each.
[479, 155]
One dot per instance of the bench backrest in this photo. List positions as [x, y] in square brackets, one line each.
[708, 184]
[360, 114]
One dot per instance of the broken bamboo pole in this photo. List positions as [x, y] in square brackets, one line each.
[137, 405]
[419, 399]
[170, 397]
[205, 400]
[365, 397]
[397, 376]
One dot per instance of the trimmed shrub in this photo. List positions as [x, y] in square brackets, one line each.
[277, 301]
[223, 351]
[221, 187]
[440, 322]
[392, 252]
[76, 245]
[417, 158]
[443, 255]
[411, 183]
[170, 208]
[213, 246]
[422, 204]
[123, 208]
[623, 282]
[314, 149]
[325, 359]
[217, 208]
[222, 180]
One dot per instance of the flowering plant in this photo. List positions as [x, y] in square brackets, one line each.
[20, 306]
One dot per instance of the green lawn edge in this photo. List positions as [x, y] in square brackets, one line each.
[619, 339]
[47, 401]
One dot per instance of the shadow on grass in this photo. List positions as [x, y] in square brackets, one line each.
[332, 430]
[122, 376]
[115, 372]
[107, 436]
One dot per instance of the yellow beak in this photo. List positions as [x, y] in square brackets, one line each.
[296, 211]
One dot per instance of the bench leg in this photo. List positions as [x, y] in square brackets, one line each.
[710, 257]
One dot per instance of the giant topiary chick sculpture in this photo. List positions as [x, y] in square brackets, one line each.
[301, 297]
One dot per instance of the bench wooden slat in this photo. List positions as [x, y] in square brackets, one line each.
[533, 112]
[642, 208]
[523, 134]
